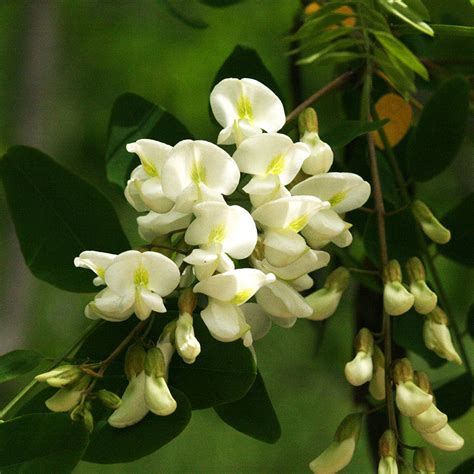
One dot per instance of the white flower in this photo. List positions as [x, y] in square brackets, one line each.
[144, 191]
[198, 171]
[98, 262]
[273, 160]
[334, 458]
[344, 192]
[359, 370]
[226, 292]
[412, 400]
[425, 298]
[244, 107]
[446, 439]
[437, 338]
[136, 283]
[64, 400]
[60, 376]
[220, 231]
[258, 320]
[397, 299]
[387, 465]
[321, 157]
[429, 421]
[154, 224]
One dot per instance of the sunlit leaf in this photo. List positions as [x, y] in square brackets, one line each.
[438, 136]
[57, 215]
[347, 130]
[41, 443]
[16, 363]
[399, 114]
[253, 414]
[412, 15]
[132, 118]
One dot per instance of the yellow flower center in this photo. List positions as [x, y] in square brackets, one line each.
[297, 224]
[244, 108]
[276, 165]
[337, 198]
[150, 168]
[198, 173]
[241, 296]
[141, 277]
[217, 234]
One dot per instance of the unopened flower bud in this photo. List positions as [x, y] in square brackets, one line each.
[423, 461]
[397, 299]
[325, 301]
[425, 298]
[155, 363]
[187, 301]
[88, 420]
[308, 121]
[359, 370]
[437, 337]
[61, 376]
[377, 383]
[429, 421]
[423, 381]
[411, 400]
[67, 398]
[134, 360]
[187, 345]
[388, 453]
[339, 453]
[445, 439]
[109, 399]
[429, 224]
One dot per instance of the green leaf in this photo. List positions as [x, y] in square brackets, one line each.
[440, 131]
[397, 49]
[41, 443]
[413, 16]
[460, 222]
[458, 31]
[470, 321]
[337, 45]
[455, 397]
[219, 3]
[402, 240]
[110, 445]
[16, 363]
[132, 118]
[347, 130]
[222, 373]
[253, 414]
[186, 11]
[57, 215]
[408, 333]
[245, 62]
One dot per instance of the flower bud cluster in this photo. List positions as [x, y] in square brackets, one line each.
[415, 399]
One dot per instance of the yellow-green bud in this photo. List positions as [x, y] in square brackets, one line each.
[377, 382]
[388, 445]
[423, 381]
[134, 360]
[338, 279]
[438, 316]
[429, 224]
[187, 301]
[402, 371]
[308, 121]
[364, 341]
[415, 269]
[155, 363]
[62, 376]
[392, 272]
[423, 461]
[109, 399]
[349, 427]
[88, 420]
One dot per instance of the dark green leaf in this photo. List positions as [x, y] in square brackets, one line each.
[442, 30]
[132, 118]
[186, 11]
[470, 321]
[110, 445]
[408, 333]
[402, 240]
[347, 130]
[440, 130]
[413, 16]
[467, 467]
[455, 397]
[253, 414]
[41, 443]
[16, 363]
[397, 49]
[459, 221]
[219, 3]
[245, 62]
[223, 372]
[57, 215]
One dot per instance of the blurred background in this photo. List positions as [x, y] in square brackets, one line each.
[62, 65]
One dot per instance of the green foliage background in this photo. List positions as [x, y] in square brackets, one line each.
[63, 63]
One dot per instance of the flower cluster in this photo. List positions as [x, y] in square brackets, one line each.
[244, 231]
